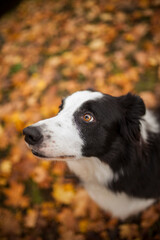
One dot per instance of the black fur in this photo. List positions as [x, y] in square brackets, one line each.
[62, 105]
[116, 140]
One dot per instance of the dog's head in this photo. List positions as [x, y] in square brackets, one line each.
[87, 125]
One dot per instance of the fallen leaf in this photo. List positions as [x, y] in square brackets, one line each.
[83, 225]
[8, 223]
[5, 167]
[15, 195]
[48, 210]
[66, 218]
[63, 193]
[129, 231]
[81, 203]
[31, 218]
[149, 217]
[97, 44]
[41, 176]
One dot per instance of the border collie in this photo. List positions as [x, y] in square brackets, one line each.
[111, 143]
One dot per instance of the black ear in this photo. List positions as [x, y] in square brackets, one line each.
[133, 109]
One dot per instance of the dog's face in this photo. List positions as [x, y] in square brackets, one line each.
[87, 124]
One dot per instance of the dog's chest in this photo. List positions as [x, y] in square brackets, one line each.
[95, 176]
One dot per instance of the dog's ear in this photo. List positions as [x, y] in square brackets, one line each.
[133, 109]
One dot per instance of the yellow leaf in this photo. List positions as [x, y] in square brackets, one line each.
[153, 61]
[41, 85]
[46, 165]
[3, 181]
[17, 118]
[5, 167]
[97, 44]
[129, 37]
[83, 226]
[63, 193]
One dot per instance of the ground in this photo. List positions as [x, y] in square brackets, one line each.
[50, 49]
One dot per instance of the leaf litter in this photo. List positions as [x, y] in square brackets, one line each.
[50, 49]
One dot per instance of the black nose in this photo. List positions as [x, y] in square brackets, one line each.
[32, 135]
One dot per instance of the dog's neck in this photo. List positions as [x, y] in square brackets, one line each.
[95, 176]
[91, 169]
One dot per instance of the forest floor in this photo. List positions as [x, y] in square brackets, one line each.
[49, 49]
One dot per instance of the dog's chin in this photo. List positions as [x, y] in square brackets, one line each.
[38, 154]
[42, 156]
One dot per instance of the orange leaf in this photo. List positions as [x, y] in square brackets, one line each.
[15, 195]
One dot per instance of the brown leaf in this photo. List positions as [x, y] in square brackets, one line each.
[8, 223]
[31, 218]
[141, 57]
[48, 210]
[129, 231]
[22, 170]
[67, 219]
[41, 176]
[149, 217]
[19, 78]
[81, 203]
[3, 138]
[140, 30]
[111, 224]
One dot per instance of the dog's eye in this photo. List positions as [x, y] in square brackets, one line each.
[87, 117]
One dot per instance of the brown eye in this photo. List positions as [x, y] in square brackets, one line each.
[87, 117]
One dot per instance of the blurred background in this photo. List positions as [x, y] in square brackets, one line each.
[49, 49]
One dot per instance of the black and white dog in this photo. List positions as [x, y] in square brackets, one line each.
[111, 143]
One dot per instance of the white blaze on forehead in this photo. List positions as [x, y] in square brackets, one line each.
[73, 102]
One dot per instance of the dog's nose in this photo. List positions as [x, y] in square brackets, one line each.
[32, 135]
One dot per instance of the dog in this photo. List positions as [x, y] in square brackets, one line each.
[111, 143]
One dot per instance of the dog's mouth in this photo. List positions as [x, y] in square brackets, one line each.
[37, 154]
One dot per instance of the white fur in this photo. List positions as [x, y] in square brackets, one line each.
[96, 176]
[64, 138]
[149, 123]
[91, 169]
